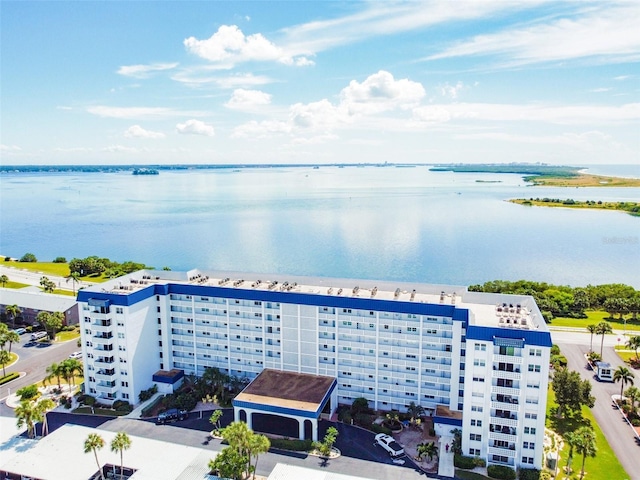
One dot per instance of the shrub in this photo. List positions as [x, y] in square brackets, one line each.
[60, 260]
[88, 400]
[479, 462]
[364, 420]
[501, 472]
[291, 444]
[7, 259]
[28, 393]
[635, 422]
[28, 257]
[375, 428]
[528, 474]
[146, 412]
[148, 393]
[555, 350]
[466, 463]
[9, 377]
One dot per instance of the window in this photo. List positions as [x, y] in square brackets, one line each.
[478, 379]
[481, 347]
[529, 445]
[120, 335]
[119, 310]
[475, 437]
[527, 460]
[125, 396]
[474, 452]
[478, 362]
[476, 408]
[534, 368]
[532, 416]
[535, 352]
[125, 384]
[530, 430]
[476, 423]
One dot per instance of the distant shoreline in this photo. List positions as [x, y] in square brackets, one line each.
[632, 208]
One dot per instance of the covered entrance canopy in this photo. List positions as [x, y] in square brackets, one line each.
[298, 396]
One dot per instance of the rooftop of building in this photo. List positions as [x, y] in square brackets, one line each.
[486, 309]
[299, 391]
[36, 300]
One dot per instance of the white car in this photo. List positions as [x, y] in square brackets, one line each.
[389, 444]
[75, 355]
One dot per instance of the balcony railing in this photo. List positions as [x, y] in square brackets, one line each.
[505, 452]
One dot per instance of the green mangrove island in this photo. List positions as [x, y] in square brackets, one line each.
[633, 208]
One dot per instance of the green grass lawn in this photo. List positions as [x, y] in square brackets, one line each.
[597, 316]
[65, 336]
[11, 284]
[467, 475]
[100, 411]
[604, 465]
[48, 268]
[13, 358]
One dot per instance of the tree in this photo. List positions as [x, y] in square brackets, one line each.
[593, 328]
[602, 329]
[47, 285]
[624, 376]
[456, 445]
[75, 279]
[69, 368]
[416, 411]
[228, 464]
[428, 449]
[120, 443]
[14, 312]
[243, 440]
[5, 358]
[28, 257]
[214, 419]
[93, 443]
[585, 444]
[28, 414]
[10, 337]
[570, 438]
[43, 406]
[634, 344]
[3, 280]
[325, 446]
[359, 405]
[53, 370]
[571, 391]
[52, 322]
[633, 394]
[260, 444]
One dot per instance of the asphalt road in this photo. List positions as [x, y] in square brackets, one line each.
[618, 433]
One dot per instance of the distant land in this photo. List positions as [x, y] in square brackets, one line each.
[632, 208]
[545, 175]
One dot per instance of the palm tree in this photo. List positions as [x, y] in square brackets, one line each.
[214, 419]
[14, 312]
[70, 367]
[624, 376]
[634, 344]
[593, 328]
[28, 414]
[585, 444]
[3, 280]
[93, 443]
[258, 444]
[633, 394]
[416, 411]
[75, 278]
[120, 443]
[43, 406]
[602, 329]
[571, 439]
[11, 337]
[428, 449]
[53, 370]
[5, 358]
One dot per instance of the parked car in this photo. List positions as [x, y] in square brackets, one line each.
[20, 331]
[38, 335]
[75, 355]
[389, 444]
[172, 415]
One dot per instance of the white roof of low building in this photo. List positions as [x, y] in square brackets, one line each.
[282, 471]
[60, 456]
[25, 298]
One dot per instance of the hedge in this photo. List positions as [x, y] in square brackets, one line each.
[528, 474]
[466, 463]
[501, 472]
[294, 445]
[375, 428]
[8, 378]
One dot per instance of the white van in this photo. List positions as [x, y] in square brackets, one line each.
[38, 336]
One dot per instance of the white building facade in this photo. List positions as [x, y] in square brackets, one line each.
[483, 355]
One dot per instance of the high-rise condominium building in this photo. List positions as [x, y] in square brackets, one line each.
[482, 358]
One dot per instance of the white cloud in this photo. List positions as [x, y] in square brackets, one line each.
[145, 71]
[564, 114]
[9, 148]
[73, 149]
[139, 112]
[608, 33]
[195, 127]
[247, 99]
[197, 77]
[320, 115]
[599, 90]
[380, 92]
[262, 129]
[119, 149]
[229, 45]
[585, 141]
[136, 131]
[451, 91]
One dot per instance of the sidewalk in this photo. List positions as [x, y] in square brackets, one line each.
[445, 456]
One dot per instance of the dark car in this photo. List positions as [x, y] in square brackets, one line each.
[172, 415]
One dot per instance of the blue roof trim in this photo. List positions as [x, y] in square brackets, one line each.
[448, 421]
[99, 302]
[530, 337]
[275, 409]
[168, 379]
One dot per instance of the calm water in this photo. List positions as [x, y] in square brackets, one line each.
[390, 223]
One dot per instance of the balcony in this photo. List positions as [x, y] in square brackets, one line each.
[102, 325]
[507, 375]
[514, 392]
[104, 361]
[507, 359]
[505, 452]
[102, 338]
[510, 421]
[104, 375]
[505, 437]
[106, 388]
[505, 405]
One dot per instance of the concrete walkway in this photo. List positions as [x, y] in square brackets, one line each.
[445, 464]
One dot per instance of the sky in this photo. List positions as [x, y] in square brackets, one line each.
[204, 82]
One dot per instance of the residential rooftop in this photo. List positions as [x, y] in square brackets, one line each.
[487, 309]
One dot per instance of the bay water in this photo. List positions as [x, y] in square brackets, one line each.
[387, 223]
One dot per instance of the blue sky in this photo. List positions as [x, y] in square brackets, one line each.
[156, 82]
